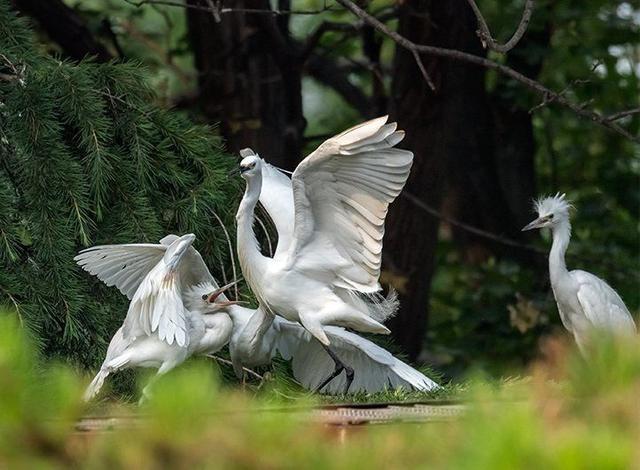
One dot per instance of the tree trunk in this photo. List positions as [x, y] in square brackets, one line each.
[65, 27]
[249, 80]
[455, 167]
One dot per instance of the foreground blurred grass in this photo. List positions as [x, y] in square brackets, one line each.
[567, 414]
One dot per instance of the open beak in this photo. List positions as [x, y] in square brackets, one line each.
[216, 293]
[538, 223]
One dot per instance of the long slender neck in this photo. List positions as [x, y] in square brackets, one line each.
[252, 262]
[561, 237]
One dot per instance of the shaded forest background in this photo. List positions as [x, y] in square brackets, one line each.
[474, 289]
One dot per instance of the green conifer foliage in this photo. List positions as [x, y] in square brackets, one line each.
[87, 158]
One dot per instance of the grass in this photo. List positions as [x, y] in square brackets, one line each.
[565, 413]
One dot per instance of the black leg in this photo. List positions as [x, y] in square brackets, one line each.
[340, 366]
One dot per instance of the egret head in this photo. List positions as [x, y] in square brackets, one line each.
[177, 249]
[552, 210]
[207, 298]
[250, 164]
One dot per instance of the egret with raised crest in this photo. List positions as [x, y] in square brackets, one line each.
[586, 303]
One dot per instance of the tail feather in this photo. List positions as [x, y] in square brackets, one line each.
[95, 385]
[375, 305]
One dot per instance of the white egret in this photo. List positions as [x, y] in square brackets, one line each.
[585, 302]
[331, 254]
[375, 369]
[168, 319]
[254, 339]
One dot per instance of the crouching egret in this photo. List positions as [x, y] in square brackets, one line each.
[330, 255]
[585, 302]
[168, 319]
[375, 369]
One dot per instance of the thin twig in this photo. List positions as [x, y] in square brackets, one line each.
[623, 114]
[266, 234]
[222, 11]
[229, 363]
[470, 228]
[215, 11]
[231, 253]
[423, 70]
[498, 238]
[487, 63]
[550, 99]
[485, 34]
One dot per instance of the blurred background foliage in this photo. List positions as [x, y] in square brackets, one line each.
[568, 415]
[487, 311]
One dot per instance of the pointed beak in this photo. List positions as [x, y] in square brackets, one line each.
[538, 223]
[216, 293]
[234, 172]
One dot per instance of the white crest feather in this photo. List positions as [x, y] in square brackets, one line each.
[557, 204]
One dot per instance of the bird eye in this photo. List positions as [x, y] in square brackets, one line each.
[204, 296]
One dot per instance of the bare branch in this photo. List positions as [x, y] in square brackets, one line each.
[470, 228]
[494, 236]
[229, 363]
[485, 35]
[409, 45]
[215, 11]
[423, 70]
[623, 114]
[550, 99]
[326, 26]
[221, 11]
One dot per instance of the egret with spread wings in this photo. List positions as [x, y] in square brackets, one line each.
[585, 302]
[326, 266]
[176, 309]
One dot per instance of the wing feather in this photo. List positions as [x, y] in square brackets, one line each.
[342, 192]
[123, 266]
[276, 197]
[602, 305]
[375, 369]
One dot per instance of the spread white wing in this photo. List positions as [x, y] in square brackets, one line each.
[276, 197]
[125, 266]
[139, 272]
[157, 307]
[375, 369]
[342, 192]
[602, 305]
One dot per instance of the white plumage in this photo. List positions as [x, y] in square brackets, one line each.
[375, 369]
[254, 336]
[159, 331]
[585, 302]
[331, 253]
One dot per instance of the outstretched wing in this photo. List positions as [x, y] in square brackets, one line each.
[602, 305]
[157, 306]
[126, 265]
[342, 192]
[277, 199]
[375, 369]
[123, 266]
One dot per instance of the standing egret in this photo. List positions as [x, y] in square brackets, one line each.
[256, 340]
[585, 302]
[168, 319]
[332, 254]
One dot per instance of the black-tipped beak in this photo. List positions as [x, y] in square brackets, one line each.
[236, 171]
[535, 224]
